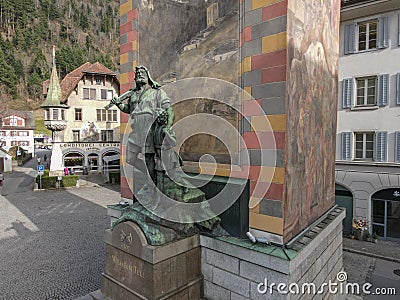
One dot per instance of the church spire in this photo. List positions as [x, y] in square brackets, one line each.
[54, 93]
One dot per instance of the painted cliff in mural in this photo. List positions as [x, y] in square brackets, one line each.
[183, 39]
[313, 46]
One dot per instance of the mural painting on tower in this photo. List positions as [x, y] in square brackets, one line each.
[313, 46]
[193, 39]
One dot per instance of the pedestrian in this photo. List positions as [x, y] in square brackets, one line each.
[45, 157]
[65, 171]
[38, 160]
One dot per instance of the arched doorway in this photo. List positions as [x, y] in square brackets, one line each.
[93, 161]
[344, 198]
[74, 161]
[111, 161]
[386, 213]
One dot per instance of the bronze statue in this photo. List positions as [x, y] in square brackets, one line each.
[150, 109]
[152, 135]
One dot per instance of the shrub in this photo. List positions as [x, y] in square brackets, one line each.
[49, 182]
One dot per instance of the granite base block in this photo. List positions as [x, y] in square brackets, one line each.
[136, 270]
[235, 269]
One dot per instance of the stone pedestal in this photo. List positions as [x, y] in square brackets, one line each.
[136, 270]
[238, 269]
[56, 165]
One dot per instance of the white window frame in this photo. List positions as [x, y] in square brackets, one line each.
[90, 93]
[367, 38]
[73, 135]
[364, 147]
[366, 89]
[75, 114]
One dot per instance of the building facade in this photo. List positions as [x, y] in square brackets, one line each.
[368, 133]
[16, 130]
[92, 133]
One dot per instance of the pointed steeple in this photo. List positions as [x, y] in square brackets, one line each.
[54, 94]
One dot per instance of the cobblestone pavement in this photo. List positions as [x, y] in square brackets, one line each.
[358, 267]
[51, 242]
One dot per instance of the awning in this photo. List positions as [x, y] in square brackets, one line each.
[111, 158]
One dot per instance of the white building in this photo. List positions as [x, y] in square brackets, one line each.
[16, 130]
[5, 161]
[368, 135]
[92, 133]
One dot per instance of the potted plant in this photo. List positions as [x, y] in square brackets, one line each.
[375, 237]
[368, 236]
[360, 227]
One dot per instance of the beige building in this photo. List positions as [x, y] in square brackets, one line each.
[91, 130]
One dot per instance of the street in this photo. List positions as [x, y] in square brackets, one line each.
[51, 241]
[52, 245]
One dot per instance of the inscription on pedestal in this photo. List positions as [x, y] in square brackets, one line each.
[127, 266]
[133, 272]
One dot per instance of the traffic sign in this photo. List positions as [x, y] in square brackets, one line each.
[40, 173]
[40, 168]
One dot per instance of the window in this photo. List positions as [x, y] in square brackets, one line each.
[364, 143]
[367, 35]
[55, 114]
[104, 115]
[14, 143]
[89, 94]
[2, 133]
[106, 94]
[14, 133]
[23, 133]
[112, 115]
[23, 143]
[78, 114]
[47, 114]
[107, 136]
[366, 91]
[368, 146]
[370, 91]
[62, 114]
[75, 136]
[99, 80]
[19, 123]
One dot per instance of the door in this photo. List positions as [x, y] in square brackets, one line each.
[344, 198]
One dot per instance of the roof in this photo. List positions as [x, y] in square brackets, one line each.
[26, 114]
[53, 98]
[71, 80]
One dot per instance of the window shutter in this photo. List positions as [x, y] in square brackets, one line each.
[397, 148]
[381, 146]
[383, 89]
[347, 93]
[398, 28]
[398, 89]
[383, 32]
[350, 38]
[346, 145]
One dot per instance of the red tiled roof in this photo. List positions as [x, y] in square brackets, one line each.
[98, 68]
[71, 80]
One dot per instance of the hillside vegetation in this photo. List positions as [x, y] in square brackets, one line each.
[82, 30]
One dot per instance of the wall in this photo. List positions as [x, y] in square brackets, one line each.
[75, 100]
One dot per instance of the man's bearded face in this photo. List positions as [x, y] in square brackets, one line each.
[141, 76]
